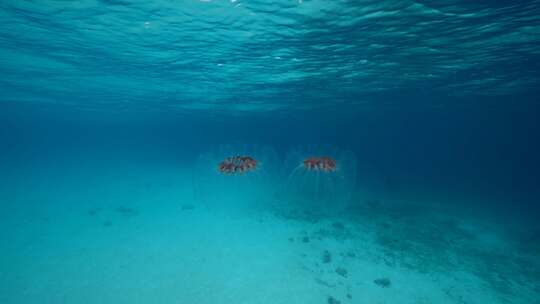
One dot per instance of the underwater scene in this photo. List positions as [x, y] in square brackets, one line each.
[257, 152]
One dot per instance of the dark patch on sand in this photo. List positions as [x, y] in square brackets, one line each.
[341, 271]
[383, 282]
[127, 212]
[334, 233]
[326, 257]
[332, 300]
[93, 211]
[187, 207]
[324, 283]
[338, 226]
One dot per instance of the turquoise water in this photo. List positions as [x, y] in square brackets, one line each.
[115, 116]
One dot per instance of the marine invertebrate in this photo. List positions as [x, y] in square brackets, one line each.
[321, 163]
[237, 164]
[319, 179]
[236, 177]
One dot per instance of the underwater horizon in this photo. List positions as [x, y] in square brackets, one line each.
[289, 151]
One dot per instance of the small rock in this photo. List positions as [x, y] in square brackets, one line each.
[341, 271]
[332, 300]
[349, 296]
[327, 257]
[291, 239]
[107, 223]
[305, 239]
[187, 207]
[383, 282]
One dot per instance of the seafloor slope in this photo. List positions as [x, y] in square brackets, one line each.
[135, 235]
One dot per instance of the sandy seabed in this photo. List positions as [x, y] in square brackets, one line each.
[120, 238]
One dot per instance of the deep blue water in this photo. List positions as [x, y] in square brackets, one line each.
[488, 153]
[438, 101]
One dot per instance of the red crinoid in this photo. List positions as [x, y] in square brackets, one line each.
[237, 164]
[321, 163]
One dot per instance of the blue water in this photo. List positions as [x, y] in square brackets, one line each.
[114, 116]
